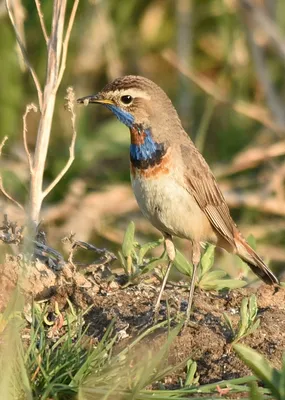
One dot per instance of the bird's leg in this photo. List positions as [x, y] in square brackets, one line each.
[196, 256]
[170, 250]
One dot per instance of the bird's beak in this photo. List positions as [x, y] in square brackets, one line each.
[94, 99]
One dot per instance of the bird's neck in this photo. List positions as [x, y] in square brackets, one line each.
[144, 151]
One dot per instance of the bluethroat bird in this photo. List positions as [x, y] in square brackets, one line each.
[173, 184]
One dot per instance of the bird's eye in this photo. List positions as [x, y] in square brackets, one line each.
[126, 99]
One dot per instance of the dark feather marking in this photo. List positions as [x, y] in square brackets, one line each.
[151, 161]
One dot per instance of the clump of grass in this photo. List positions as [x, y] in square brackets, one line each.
[135, 258]
[59, 354]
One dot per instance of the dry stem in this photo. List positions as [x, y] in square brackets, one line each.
[6, 194]
[66, 41]
[274, 101]
[3, 144]
[44, 129]
[70, 107]
[2, 189]
[29, 108]
[268, 26]
[250, 158]
[56, 61]
[25, 55]
[42, 21]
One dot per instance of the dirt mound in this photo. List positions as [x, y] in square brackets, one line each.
[206, 339]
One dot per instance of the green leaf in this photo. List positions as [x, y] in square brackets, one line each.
[260, 367]
[146, 247]
[254, 393]
[282, 379]
[151, 265]
[207, 260]
[128, 242]
[228, 322]
[220, 284]
[182, 264]
[252, 306]
[123, 261]
[244, 318]
[191, 371]
[253, 327]
[213, 275]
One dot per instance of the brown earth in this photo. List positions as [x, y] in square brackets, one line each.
[206, 339]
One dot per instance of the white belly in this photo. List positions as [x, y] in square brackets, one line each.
[171, 209]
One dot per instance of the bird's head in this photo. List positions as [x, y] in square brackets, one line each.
[136, 101]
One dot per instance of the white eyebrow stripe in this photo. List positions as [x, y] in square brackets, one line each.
[132, 92]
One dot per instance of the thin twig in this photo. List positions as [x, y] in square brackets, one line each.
[25, 55]
[42, 21]
[252, 111]
[66, 42]
[3, 144]
[270, 205]
[272, 97]
[19, 17]
[6, 194]
[29, 108]
[267, 26]
[70, 107]
[251, 158]
[2, 189]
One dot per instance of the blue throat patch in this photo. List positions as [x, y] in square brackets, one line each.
[145, 150]
[123, 116]
[149, 153]
[142, 155]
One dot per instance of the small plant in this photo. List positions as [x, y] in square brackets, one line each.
[129, 373]
[248, 322]
[134, 257]
[271, 377]
[58, 352]
[192, 378]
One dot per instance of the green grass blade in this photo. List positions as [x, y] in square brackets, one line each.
[254, 393]
[260, 367]
[128, 242]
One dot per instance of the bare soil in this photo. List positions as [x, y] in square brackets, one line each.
[206, 339]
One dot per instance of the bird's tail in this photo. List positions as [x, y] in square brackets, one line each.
[258, 266]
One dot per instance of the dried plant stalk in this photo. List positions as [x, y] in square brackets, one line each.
[57, 46]
[49, 96]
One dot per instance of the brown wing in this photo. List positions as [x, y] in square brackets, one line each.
[202, 184]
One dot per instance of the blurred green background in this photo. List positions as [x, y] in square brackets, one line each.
[220, 63]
